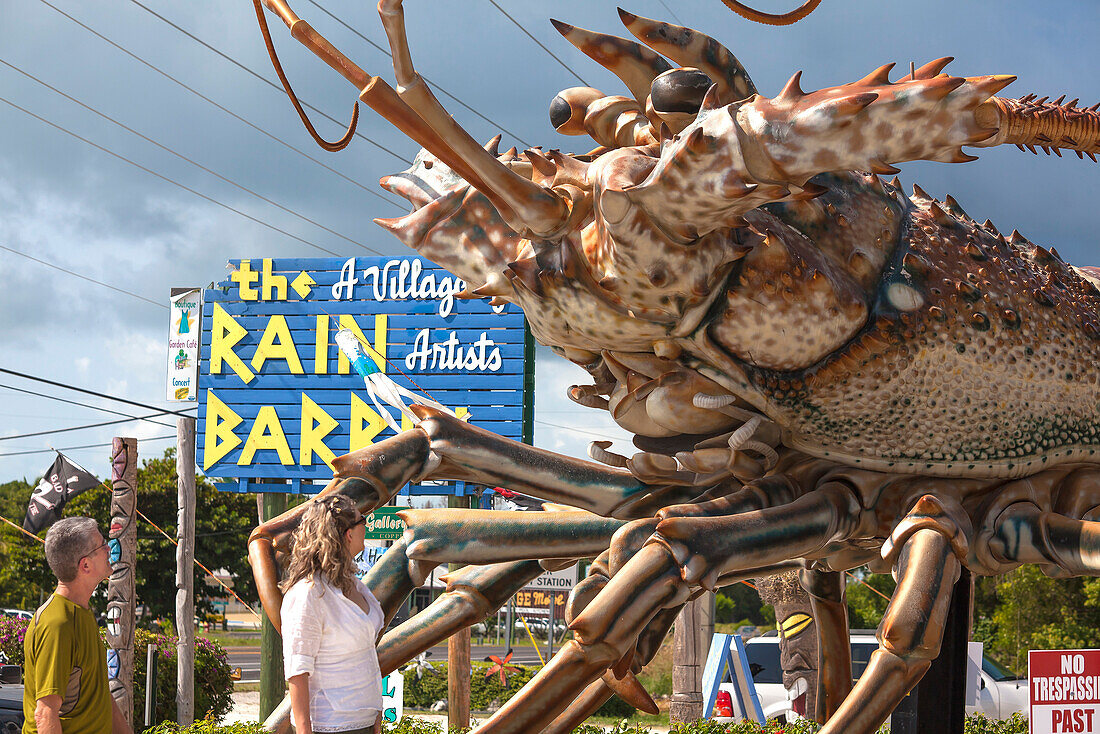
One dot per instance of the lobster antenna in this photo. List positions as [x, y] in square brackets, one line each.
[769, 18]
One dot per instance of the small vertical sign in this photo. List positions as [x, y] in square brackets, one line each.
[184, 326]
[393, 695]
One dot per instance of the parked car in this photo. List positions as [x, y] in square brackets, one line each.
[20, 613]
[1001, 693]
[11, 699]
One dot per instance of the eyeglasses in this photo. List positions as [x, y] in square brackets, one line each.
[362, 521]
[95, 550]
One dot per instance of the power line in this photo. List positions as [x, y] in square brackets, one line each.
[571, 428]
[674, 16]
[89, 425]
[82, 277]
[386, 51]
[528, 34]
[35, 378]
[165, 178]
[83, 405]
[227, 111]
[189, 160]
[262, 78]
[76, 448]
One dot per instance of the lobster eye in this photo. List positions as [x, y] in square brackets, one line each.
[679, 90]
[559, 112]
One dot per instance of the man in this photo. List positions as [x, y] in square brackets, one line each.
[65, 677]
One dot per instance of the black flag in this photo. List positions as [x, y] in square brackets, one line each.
[63, 481]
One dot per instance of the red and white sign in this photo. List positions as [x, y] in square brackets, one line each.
[1065, 691]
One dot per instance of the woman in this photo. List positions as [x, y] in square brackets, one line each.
[330, 624]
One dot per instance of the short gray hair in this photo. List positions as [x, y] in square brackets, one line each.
[68, 540]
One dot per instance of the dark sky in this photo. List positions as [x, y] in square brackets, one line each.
[77, 207]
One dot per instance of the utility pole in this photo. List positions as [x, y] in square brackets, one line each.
[122, 542]
[458, 657]
[272, 684]
[185, 575]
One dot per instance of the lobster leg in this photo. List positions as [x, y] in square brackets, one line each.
[927, 550]
[491, 536]
[685, 552]
[1063, 546]
[834, 656]
[473, 593]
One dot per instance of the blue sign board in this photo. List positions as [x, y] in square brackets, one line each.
[278, 400]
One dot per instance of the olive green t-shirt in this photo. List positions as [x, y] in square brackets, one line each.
[64, 655]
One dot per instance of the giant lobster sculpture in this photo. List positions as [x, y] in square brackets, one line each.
[820, 371]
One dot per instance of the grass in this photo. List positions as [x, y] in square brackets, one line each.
[231, 639]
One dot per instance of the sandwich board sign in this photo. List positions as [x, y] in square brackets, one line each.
[728, 663]
[279, 400]
[1064, 690]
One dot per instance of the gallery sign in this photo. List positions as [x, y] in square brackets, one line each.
[278, 400]
[1065, 691]
[183, 344]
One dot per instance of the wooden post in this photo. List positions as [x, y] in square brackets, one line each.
[272, 683]
[185, 576]
[120, 588]
[691, 642]
[458, 658]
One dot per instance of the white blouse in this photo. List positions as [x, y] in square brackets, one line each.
[330, 637]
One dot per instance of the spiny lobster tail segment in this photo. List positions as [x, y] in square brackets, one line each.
[766, 149]
[693, 49]
[632, 62]
[1028, 123]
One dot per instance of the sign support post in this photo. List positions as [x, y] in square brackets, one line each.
[458, 658]
[185, 575]
[272, 684]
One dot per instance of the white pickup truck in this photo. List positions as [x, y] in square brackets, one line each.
[1001, 693]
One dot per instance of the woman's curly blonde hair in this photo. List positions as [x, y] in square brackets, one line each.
[318, 550]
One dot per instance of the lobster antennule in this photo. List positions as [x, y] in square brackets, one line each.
[1028, 122]
[692, 48]
[633, 63]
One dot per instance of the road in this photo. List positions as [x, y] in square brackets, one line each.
[248, 658]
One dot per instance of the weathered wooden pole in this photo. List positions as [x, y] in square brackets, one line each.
[691, 642]
[272, 683]
[458, 658]
[185, 576]
[122, 542]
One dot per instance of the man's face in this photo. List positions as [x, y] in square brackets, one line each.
[98, 560]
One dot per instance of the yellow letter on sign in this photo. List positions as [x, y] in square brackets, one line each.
[365, 424]
[316, 424]
[220, 422]
[225, 332]
[276, 343]
[266, 435]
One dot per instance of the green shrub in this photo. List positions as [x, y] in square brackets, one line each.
[978, 724]
[208, 726]
[412, 725]
[213, 688]
[12, 630]
[432, 686]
